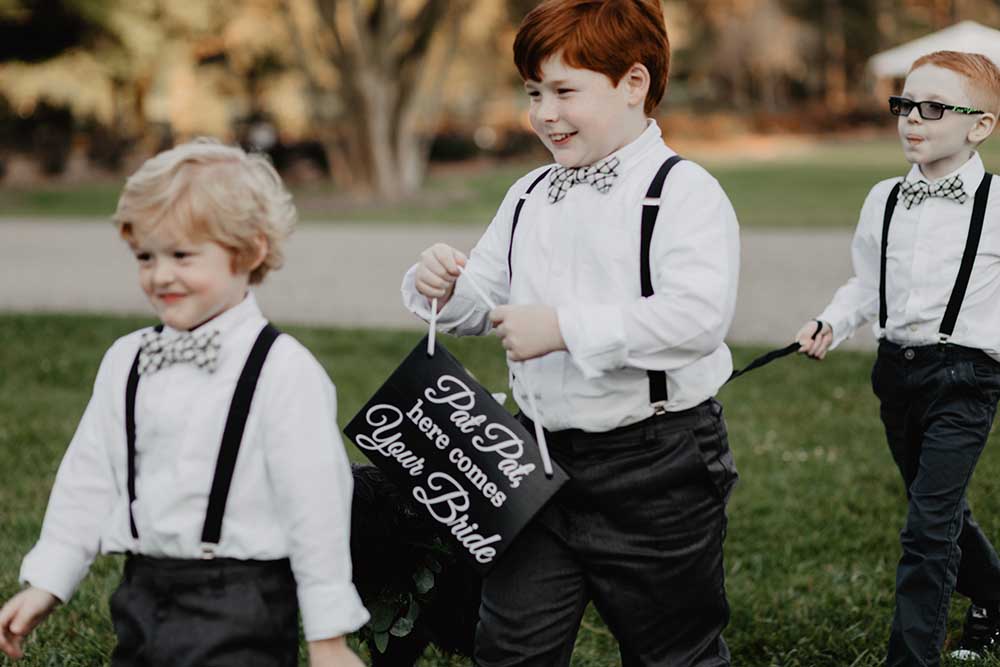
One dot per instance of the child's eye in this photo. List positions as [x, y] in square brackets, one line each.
[564, 91]
[143, 256]
[534, 93]
[182, 254]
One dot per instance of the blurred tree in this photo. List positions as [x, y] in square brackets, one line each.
[386, 60]
[737, 51]
[35, 30]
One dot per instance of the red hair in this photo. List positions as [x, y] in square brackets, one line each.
[982, 77]
[605, 36]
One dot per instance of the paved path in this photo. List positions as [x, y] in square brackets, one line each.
[348, 274]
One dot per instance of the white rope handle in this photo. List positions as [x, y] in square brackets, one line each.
[479, 290]
[543, 448]
[432, 333]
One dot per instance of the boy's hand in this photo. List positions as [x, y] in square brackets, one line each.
[528, 331]
[437, 272]
[332, 653]
[814, 344]
[20, 616]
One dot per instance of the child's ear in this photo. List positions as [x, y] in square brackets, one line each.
[261, 247]
[636, 82]
[983, 128]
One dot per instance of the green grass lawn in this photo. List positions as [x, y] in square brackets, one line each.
[814, 522]
[820, 186]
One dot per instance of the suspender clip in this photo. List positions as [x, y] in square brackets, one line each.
[659, 408]
[943, 338]
[208, 550]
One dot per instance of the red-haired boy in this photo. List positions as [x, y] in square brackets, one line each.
[927, 264]
[620, 331]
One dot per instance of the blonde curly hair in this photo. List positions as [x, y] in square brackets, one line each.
[206, 190]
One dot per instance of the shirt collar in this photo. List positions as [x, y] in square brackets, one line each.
[229, 320]
[972, 173]
[630, 154]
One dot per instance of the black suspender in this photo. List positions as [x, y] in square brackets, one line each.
[650, 211]
[517, 216]
[130, 390]
[232, 437]
[890, 206]
[968, 258]
[965, 269]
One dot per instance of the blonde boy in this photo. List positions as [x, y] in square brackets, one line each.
[209, 451]
[927, 265]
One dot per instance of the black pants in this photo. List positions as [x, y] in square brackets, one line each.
[638, 529]
[938, 404]
[198, 613]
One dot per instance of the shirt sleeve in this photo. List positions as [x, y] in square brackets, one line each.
[695, 270]
[82, 495]
[312, 482]
[856, 302]
[467, 313]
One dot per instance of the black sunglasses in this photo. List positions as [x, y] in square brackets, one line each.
[901, 106]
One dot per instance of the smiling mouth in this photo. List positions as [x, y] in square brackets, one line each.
[561, 137]
[169, 298]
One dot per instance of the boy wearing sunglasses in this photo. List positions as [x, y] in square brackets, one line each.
[926, 257]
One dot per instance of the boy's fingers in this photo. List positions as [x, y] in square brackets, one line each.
[449, 259]
[10, 642]
[431, 280]
[498, 315]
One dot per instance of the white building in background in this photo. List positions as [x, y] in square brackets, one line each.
[890, 67]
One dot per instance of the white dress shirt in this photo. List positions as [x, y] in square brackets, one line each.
[581, 256]
[926, 243]
[291, 489]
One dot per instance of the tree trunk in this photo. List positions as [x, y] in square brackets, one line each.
[836, 59]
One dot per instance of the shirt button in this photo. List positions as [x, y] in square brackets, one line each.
[913, 327]
[909, 354]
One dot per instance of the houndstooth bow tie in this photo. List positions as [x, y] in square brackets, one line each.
[601, 175]
[158, 350]
[913, 193]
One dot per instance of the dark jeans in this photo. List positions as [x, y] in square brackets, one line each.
[196, 613]
[638, 529]
[938, 404]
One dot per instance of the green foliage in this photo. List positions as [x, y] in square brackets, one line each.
[814, 521]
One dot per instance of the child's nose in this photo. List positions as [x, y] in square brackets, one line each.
[163, 273]
[914, 115]
[548, 110]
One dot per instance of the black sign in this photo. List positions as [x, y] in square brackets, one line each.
[468, 463]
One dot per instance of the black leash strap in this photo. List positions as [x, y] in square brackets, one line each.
[768, 357]
[765, 359]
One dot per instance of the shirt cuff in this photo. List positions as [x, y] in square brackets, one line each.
[56, 568]
[331, 611]
[594, 337]
[842, 330]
